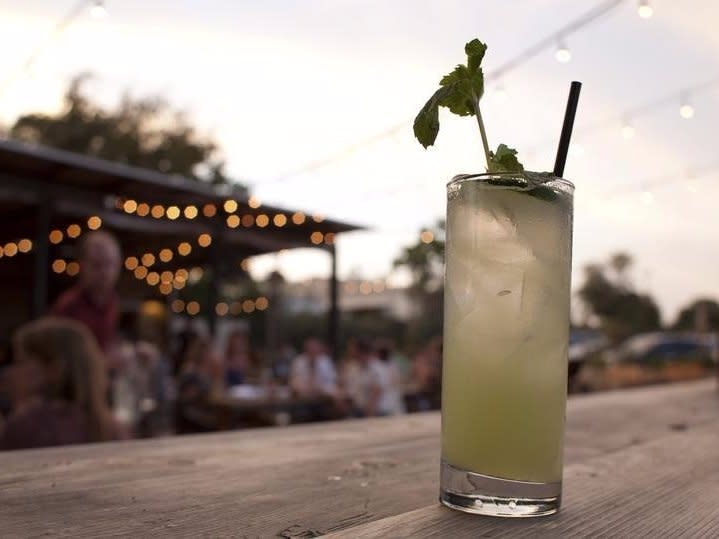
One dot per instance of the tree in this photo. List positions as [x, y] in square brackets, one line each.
[144, 132]
[702, 312]
[622, 311]
[425, 262]
[425, 259]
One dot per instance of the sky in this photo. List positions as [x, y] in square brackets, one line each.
[283, 84]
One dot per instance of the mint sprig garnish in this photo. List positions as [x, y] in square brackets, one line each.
[460, 92]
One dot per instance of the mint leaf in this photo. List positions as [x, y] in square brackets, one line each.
[475, 50]
[426, 124]
[460, 91]
[504, 160]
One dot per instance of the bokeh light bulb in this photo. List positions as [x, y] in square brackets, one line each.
[686, 111]
[562, 53]
[500, 94]
[645, 10]
[98, 10]
[628, 132]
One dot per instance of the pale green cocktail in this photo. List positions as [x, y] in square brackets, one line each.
[508, 264]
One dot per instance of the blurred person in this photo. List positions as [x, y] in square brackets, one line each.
[312, 373]
[201, 380]
[63, 383]
[379, 385]
[239, 365]
[153, 390]
[282, 364]
[392, 398]
[350, 375]
[93, 300]
[427, 376]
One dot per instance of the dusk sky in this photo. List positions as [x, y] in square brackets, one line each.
[284, 84]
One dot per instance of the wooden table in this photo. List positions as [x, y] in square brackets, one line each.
[641, 462]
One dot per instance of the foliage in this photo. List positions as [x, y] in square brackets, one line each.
[425, 261]
[621, 310]
[144, 132]
[687, 319]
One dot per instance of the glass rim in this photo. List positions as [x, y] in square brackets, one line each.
[484, 176]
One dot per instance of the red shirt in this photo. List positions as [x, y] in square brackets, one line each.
[101, 320]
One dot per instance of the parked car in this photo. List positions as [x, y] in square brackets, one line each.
[661, 347]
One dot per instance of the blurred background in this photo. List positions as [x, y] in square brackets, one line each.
[229, 200]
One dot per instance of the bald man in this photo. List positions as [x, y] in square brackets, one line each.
[93, 300]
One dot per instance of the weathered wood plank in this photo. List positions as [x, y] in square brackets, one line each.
[667, 487]
[295, 481]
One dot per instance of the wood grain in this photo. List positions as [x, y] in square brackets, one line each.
[308, 480]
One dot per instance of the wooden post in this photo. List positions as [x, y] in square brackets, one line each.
[216, 269]
[333, 322]
[41, 259]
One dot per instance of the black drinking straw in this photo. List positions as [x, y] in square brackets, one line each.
[566, 135]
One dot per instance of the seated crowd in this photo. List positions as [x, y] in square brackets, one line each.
[69, 378]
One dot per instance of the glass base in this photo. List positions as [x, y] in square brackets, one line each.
[493, 496]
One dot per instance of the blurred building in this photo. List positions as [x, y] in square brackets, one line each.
[356, 296]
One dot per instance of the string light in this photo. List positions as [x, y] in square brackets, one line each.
[253, 202]
[179, 285]
[177, 306]
[74, 231]
[235, 308]
[686, 111]
[628, 131]
[166, 276]
[500, 94]
[230, 206]
[173, 212]
[195, 274]
[245, 264]
[190, 212]
[148, 259]
[209, 210]
[94, 222]
[645, 10]
[279, 220]
[298, 218]
[24, 245]
[204, 240]
[131, 262]
[262, 220]
[316, 237]
[184, 249]
[330, 238]
[193, 308]
[181, 275]
[143, 209]
[153, 278]
[166, 255]
[562, 54]
[222, 309]
[248, 306]
[98, 10]
[318, 218]
[72, 269]
[140, 272]
[56, 236]
[233, 221]
[157, 211]
[59, 265]
[248, 220]
[365, 288]
[426, 236]
[165, 288]
[261, 303]
[130, 206]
